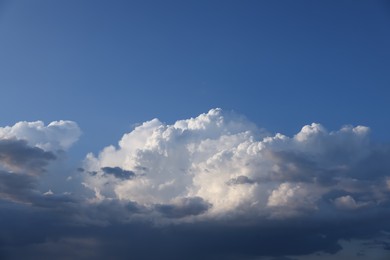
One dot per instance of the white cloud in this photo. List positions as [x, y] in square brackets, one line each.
[54, 136]
[231, 164]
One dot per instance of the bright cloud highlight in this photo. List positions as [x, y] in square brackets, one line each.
[229, 164]
[56, 135]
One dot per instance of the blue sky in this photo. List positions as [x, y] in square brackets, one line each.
[109, 67]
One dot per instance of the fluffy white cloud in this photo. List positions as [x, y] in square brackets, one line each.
[56, 135]
[231, 165]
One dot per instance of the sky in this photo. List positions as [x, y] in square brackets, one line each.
[194, 129]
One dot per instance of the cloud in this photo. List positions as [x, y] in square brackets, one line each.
[211, 187]
[16, 187]
[58, 135]
[240, 180]
[184, 207]
[26, 151]
[118, 172]
[221, 168]
[17, 155]
[20, 167]
[238, 169]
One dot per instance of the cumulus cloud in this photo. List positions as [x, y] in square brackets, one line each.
[234, 166]
[58, 135]
[219, 169]
[211, 187]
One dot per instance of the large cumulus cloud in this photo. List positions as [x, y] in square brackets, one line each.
[211, 187]
[238, 170]
[220, 171]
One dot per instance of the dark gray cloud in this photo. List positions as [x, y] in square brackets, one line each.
[16, 186]
[204, 240]
[240, 180]
[283, 258]
[185, 207]
[21, 166]
[18, 155]
[52, 225]
[118, 172]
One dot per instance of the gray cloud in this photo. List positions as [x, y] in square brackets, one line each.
[118, 172]
[22, 165]
[17, 187]
[184, 207]
[240, 180]
[205, 240]
[18, 155]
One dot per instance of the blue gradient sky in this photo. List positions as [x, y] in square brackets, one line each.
[110, 64]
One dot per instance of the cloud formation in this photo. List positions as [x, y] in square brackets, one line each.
[229, 163]
[211, 187]
[17, 155]
[219, 169]
[26, 150]
[58, 135]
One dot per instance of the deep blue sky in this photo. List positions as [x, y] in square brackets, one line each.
[110, 64]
